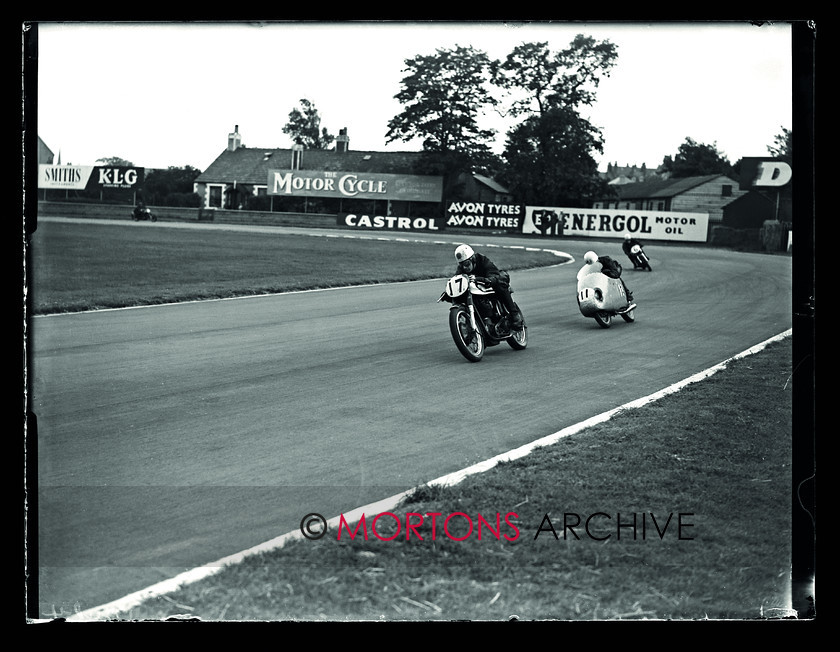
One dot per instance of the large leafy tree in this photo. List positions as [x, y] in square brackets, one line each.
[538, 80]
[304, 127]
[549, 159]
[171, 187]
[550, 153]
[696, 159]
[443, 95]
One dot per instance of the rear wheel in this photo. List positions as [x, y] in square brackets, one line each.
[469, 342]
[518, 339]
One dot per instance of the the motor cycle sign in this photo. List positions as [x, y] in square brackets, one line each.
[601, 222]
[354, 185]
[89, 177]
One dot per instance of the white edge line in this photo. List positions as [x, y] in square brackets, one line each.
[125, 604]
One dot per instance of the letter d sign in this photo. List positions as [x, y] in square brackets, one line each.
[764, 173]
[773, 173]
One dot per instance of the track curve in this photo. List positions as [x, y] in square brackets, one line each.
[173, 436]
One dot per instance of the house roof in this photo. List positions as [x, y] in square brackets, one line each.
[490, 183]
[251, 164]
[663, 187]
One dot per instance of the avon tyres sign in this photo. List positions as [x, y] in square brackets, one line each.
[89, 177]
[606, 223]
[484, 215]
[764, 173]
[389, 222]
[354, 185]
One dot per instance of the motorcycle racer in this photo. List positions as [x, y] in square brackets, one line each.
[482, 268]
[605, 265]
[628, 244]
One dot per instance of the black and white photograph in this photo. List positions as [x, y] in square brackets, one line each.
[418, 321]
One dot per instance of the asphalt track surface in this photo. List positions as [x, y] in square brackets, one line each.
[173, 436]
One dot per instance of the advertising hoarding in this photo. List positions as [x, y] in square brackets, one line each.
[354, 185]
[606, 223]
[484, 215]
[90, 177]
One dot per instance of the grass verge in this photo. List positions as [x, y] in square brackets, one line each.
[79, 266]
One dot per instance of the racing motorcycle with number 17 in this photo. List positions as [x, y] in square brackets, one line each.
[478, 318]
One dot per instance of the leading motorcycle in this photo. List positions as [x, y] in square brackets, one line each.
[603, 298]
[639, 258]
[478, 318]
[143, 213]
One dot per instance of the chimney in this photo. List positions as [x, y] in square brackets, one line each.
[234, 140]
[342, 141]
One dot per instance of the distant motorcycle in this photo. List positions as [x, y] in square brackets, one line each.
[603, 298]
[144, 213]
[639, 258]
[478, 318]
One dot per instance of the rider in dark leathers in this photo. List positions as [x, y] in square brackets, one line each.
[480, 266]
[628, 244]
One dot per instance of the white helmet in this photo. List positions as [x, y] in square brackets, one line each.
[464, 252]
[627, 236]
[590, 257]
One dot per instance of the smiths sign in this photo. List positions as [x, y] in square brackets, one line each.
[354, 185]
[764, 173]
[88, 177]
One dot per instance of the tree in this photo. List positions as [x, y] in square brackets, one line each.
[549, 154]
[696, 159]
[304, 127]
[443, 94]
[537, 80]
[171, 187]
[782, 147]
[549, 159]
[115, 161]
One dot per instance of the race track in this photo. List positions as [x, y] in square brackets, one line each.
[173, 436]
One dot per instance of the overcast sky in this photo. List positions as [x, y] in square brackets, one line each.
[163, 95]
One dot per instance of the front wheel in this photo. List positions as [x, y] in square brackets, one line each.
[604, 319]
[469, 342]
[629, 316]
[152, 218]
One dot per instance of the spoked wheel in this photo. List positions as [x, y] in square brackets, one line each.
[629, 316]
[469, 342]
[604, 319]
[518, 339]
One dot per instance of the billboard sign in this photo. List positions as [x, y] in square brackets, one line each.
[606, 223]
[90, 177]
[354, 185]
[484, 215]
[389, 222]
[759, 172]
